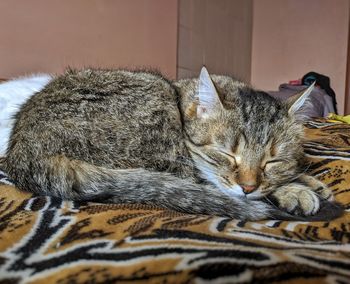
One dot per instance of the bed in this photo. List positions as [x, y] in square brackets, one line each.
[46, 240]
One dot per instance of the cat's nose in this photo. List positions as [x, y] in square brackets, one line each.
[248, 188]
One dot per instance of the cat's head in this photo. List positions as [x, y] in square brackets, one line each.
[243, 141]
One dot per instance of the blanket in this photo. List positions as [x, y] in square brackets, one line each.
[47, 240]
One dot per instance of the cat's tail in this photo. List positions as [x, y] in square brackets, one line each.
[78, 180]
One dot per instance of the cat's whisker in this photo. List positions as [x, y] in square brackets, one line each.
[269, 201]
[301, 173]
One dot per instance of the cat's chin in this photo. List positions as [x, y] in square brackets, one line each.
[234, 191]
[256, 195]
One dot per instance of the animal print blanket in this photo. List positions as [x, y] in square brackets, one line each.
[46, 240]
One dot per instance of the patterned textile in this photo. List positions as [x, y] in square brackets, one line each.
[45, 240]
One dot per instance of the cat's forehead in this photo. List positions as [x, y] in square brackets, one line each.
[236, 137]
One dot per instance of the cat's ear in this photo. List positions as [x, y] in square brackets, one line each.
[299, 100]
[208, 98]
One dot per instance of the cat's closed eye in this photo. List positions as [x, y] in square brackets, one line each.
[231, 157]
[220, 159]
[269, 164]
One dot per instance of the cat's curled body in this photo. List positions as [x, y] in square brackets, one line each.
[127, 136]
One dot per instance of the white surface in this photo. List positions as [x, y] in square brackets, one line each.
[13, 94]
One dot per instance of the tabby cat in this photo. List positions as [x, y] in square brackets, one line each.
[211, 145]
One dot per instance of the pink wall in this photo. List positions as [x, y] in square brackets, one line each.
[292, 37]
[47, 36]
[265, 41]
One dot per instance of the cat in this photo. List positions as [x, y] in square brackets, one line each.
[211, 145]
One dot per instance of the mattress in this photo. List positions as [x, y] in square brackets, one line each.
[47, 240]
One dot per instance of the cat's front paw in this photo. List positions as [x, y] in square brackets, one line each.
[319, 187]
[297, 199]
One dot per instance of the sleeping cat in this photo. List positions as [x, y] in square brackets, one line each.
[209, 146]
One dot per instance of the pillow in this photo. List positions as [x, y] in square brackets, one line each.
[13, 94]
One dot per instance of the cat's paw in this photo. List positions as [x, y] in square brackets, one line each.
[297, 199]
[319, 187]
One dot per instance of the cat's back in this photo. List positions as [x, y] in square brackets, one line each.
[112, 118]
[118, 90]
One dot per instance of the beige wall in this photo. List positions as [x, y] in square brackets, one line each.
[47, 36]
[292, 37]
[215, 33]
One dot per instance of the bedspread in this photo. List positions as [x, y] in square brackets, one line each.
[46, 240]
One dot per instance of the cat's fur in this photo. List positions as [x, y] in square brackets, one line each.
[122, 136]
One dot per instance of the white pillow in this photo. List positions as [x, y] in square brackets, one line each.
[13, 94]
